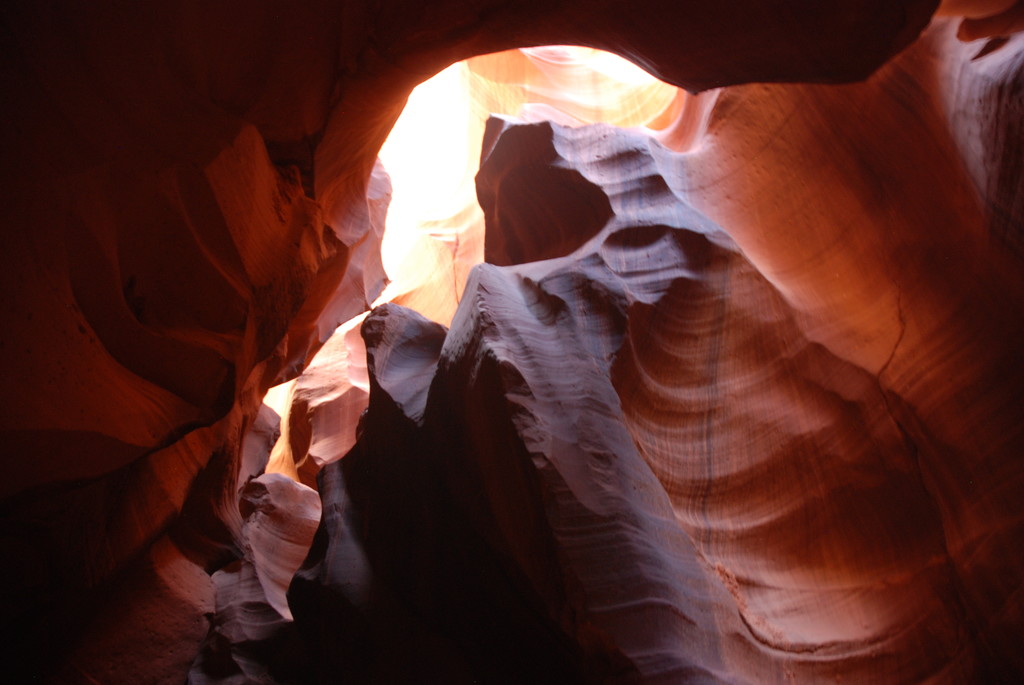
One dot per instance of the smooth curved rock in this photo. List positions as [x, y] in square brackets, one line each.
[251, 637]
[280, 519]
[192, 207]
[145, 627]
[705, 406]
[435, 225]
[524, 225]
[349, 618]
[907, 280]
[323, 406]
[401, 353]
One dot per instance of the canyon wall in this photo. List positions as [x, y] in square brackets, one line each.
[755, 417]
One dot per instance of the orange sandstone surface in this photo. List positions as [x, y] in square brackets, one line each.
[735, 395]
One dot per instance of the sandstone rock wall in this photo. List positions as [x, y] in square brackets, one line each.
[191, 208]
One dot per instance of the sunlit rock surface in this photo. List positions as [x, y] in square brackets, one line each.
[660, 466]
[192, 207]
[729, 454]
[322, 406]
[251, 637]
[915, 281]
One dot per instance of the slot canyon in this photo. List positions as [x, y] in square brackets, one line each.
[695, 356]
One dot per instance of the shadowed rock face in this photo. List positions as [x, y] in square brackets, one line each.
[770, 406]
[648, 457]
[524, 225]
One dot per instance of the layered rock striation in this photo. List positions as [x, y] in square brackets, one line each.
[655, 465]
[754, 416]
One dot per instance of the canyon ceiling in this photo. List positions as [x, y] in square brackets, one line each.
[737, 398]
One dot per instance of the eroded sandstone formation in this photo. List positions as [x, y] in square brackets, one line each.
[755, 418]
[641, 439]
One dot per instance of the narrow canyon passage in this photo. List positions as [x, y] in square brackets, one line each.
[735, 395]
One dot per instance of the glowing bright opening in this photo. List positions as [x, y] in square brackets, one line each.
[434, 230]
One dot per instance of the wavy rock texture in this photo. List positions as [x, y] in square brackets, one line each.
[435, 226]
[192, 207]
[617, 430]
[909, 280]
[323, 406]
[345, 608]
[252, 638]
[163, 264]
[682, 452]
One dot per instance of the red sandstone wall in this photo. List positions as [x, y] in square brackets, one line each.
[188, 215]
